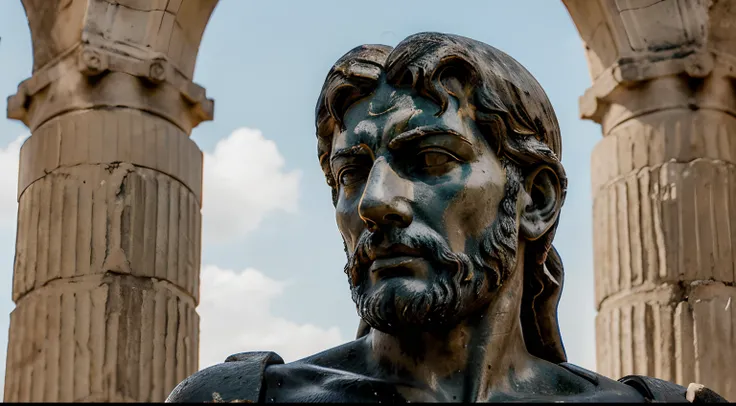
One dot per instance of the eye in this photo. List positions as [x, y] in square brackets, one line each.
[351, 175]
[434, 158]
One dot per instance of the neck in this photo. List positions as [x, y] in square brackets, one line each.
[482, 355]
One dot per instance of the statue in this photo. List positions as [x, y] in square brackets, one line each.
[443, 156]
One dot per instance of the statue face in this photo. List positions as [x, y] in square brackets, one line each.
[418, 194]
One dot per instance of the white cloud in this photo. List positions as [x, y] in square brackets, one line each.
[244, 180]
[235, 316]
[9, 157]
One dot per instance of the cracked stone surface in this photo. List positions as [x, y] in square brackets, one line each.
[664, 186]
[106, 276]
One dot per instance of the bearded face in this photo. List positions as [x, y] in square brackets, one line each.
[426, 208]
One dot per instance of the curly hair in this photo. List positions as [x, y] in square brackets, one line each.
[513, 113]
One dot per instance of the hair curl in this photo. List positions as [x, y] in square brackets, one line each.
[502, 91]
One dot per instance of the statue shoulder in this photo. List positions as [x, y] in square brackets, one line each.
[647, 388]
[659, 390]
[606, 389]
[240, 377]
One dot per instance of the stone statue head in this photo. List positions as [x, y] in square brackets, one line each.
[443, 155]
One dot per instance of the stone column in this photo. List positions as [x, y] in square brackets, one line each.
[664, 186]
[106, 274]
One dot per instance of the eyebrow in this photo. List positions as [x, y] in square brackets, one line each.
[421, 132]
[359, 150]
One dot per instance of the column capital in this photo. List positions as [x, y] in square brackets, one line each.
[87, 56]
[630, 44]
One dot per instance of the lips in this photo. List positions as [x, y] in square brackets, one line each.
[383, 264]
[395, 260]
[382, 260]
[391, 251]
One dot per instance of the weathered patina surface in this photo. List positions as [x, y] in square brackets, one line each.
[443, 156]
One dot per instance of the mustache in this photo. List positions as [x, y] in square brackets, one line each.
[424, 241]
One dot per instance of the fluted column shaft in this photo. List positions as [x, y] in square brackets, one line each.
[664, 187]
[106, 274]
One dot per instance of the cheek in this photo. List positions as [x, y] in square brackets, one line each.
[475, 208]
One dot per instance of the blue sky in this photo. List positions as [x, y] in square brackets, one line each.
[264, 63]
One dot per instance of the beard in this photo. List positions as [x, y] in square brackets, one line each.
[459, 284]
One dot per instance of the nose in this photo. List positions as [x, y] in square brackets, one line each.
[386, 198]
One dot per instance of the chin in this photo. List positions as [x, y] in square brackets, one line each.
[401, 303]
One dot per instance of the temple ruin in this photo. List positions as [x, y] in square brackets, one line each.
[106, 275]
[664, 186]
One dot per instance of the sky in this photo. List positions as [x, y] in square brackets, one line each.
[272, 259]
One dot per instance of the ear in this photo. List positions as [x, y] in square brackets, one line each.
[541, 203]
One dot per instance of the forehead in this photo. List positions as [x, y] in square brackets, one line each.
[390, 111]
